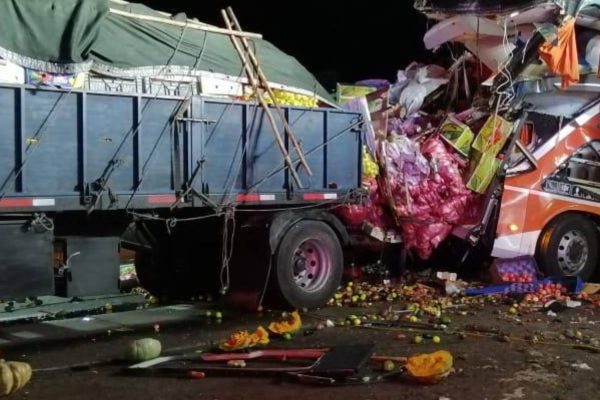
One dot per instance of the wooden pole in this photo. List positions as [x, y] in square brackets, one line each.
[189, 24]
[263, 103]
[265, 83]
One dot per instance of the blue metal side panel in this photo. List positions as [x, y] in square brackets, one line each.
[343, 151]
[110, 123]
[310, 131]
[8, 139]
[223, 141]
[264, 159]
[51, 124]
[155, 143]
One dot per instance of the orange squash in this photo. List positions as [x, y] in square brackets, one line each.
[292, 324]
[430, 368]
[244, 340]
[261, 336]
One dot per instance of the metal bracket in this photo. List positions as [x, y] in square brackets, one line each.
[198, 120]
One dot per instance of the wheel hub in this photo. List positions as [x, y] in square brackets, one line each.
[573, 251]
[312, 265]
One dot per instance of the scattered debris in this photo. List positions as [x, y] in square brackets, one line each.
[582, 366]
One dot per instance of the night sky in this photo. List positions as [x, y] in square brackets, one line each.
[337, 41]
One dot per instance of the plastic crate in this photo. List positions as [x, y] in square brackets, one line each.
[113, 85]
[162, 87]
[573, 284]
[515, 270]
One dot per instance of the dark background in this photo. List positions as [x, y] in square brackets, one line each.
[337, 41]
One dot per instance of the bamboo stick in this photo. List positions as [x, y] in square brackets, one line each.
[265, 83]
[254, 83]
[189, 24]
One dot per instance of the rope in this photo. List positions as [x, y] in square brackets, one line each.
[227, 248]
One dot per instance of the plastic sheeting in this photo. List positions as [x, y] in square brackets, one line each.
[414, 84]
[71, 36]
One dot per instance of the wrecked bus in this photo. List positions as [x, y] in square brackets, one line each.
[545, 201]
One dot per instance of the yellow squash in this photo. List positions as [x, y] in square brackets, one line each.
[13, 376]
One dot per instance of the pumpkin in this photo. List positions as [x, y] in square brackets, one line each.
[143, 350]
[292, 324]
[13, 376]
[429, 368]
[244, 340]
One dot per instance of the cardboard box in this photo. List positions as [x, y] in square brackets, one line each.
[11, 73]
[484, 173]
[493, 135]
[458, 135]
[346, 93]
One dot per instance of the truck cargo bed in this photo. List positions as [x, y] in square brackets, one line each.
[78, 150]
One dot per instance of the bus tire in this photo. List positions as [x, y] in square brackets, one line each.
[569, 247]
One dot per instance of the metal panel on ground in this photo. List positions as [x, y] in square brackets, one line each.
[95, 270]
[26, 264]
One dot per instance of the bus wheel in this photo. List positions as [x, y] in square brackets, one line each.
[569, 247]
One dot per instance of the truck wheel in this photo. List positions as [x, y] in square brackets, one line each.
[569, 247]
[308, 264]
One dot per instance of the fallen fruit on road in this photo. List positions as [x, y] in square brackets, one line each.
[287, 336]
[436, 339]
[291, 324]
[388, 365]
[244, 340]
[418, 339]
[143, 350]
[13, 376]
[430, 368]
[236, 363]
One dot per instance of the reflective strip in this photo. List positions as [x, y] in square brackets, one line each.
[248, 198]
[20, 202]
[44, 202]
[162, 199]
[320, 196]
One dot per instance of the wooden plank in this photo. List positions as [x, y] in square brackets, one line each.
[188, 24]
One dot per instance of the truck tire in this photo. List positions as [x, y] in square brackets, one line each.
[569, 247]
[308, 264]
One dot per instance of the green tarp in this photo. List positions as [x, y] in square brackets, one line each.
[78, 35]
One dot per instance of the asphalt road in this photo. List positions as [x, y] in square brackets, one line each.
[486, 367]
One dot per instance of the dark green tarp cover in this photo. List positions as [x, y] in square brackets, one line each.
[79, 35]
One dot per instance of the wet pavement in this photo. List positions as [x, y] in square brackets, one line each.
[527, 355]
